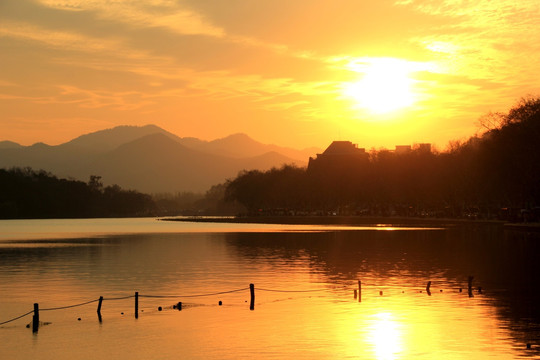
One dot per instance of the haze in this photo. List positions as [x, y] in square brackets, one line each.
[293, 73]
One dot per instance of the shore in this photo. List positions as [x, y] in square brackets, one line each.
[332, 220]
[354, 220]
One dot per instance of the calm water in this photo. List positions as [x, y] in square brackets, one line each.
[304, 280]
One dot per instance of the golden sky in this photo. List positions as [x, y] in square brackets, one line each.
[296, 73]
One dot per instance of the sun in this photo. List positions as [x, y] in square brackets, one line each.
[386, 85]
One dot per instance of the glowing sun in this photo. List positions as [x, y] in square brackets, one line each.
[386, 85]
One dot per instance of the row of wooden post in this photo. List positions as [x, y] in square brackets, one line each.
[469, 286]
[35, 318]
[357, 295]
[178, 305]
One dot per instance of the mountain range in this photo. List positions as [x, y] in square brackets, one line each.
[151, 159]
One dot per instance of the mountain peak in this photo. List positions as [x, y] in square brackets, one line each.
[237, 136]
[109, 139]
[40, 145]
[9, 145]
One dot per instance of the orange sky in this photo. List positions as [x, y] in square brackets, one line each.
[294, 73]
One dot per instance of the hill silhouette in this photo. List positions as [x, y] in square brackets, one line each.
[149, 158]
[110, 139]
[9, 145]
[239, 145]
[156, 162]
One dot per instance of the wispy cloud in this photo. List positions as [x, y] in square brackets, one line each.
[280, 59]
[67, 40]
[485, 36]
[154, 13]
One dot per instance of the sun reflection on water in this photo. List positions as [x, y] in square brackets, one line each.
[385, 336]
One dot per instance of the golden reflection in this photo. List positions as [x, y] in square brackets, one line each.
[385, 336]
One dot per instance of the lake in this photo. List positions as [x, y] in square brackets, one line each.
[304, 278]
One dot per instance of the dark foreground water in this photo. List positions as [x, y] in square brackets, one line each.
[304, 278]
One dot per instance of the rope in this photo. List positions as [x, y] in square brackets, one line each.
[120, 298]
[198, 295]
[69, 306]
[290, 291]
[18, 317]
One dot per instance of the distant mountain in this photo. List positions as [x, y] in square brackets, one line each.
[241, 145]
[109, 139]
[9, 145]
[150, 159]
[40, 156]
[237, 145]
[157, 163]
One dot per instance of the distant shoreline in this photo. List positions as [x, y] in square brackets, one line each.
[338, 220]
[355, 220]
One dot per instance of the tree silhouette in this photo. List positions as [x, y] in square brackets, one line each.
[26, 193]
[476, 178]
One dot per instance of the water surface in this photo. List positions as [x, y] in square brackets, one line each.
[304, 278]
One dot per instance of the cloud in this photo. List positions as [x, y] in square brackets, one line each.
[281, 60]
[267, 70]
[67, 40]
[154, 13]
[490, 42]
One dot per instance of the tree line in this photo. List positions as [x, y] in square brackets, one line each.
[26, 193]
[492, 175]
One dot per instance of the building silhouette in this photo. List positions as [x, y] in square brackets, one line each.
[344, 155]
[402, 149]
[339, 155]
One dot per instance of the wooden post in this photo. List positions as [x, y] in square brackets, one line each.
[359, 291]
[99, 308]
[35, 318]
[355, 293]
[470, 286]
[428, 286]
[136, 304]
[252, 302]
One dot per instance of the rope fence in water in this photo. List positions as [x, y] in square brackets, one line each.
[153, 296]
[197, 295]
[178, 306]
[17, 318]
[70, 306]
[290, 291]
[120, 298]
